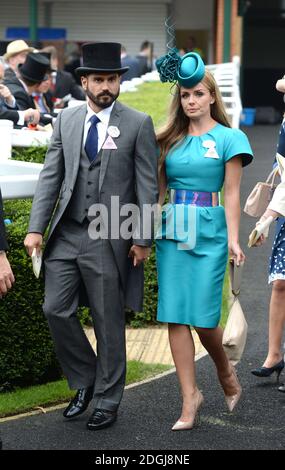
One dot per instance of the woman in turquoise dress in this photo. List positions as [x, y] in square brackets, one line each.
[199, 154]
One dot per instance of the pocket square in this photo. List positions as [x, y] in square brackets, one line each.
[109, 144]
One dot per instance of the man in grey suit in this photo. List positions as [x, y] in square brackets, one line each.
[100, 152]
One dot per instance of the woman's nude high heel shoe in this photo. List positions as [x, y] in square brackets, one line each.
[232, 400]
[184, 425]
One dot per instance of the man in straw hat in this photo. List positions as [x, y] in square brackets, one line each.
[16, 54]
[100, 152]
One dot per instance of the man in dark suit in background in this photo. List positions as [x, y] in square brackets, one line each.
[63, 83]
[9, 109]
[31, 74]
[145, 58]
[132, 63]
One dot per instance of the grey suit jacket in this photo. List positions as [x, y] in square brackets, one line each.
[130, 172]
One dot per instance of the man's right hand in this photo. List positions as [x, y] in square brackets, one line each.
[32, 116]
[33, 240]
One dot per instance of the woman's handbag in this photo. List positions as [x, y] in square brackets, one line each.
[235, 332]
[261, 195]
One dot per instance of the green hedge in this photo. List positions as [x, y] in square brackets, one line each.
[29, 154]
[26, 350]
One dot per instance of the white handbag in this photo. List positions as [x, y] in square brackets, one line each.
[235, 332]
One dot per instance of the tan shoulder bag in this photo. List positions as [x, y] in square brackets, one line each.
[261, 195]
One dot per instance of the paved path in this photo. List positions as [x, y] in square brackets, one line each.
[149, 410]
[149, 345]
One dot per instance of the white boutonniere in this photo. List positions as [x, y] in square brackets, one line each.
[113, 132]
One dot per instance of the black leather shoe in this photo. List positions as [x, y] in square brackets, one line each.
[267, 371]
[101, 419]
[282, 388]
[79, 403]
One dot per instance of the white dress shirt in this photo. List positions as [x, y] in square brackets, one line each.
[102, 126]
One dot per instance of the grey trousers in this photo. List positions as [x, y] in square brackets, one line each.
[72, 258]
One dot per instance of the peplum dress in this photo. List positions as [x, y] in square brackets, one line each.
[191, 241]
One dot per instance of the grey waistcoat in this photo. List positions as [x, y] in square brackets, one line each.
[86, 189]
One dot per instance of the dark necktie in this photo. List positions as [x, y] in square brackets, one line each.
[91, 144]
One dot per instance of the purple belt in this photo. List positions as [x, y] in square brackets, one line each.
[194, 198]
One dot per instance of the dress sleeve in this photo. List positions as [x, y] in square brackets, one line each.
[236, 143]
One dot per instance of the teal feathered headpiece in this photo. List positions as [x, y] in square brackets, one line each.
[168, 66]
[187, 70]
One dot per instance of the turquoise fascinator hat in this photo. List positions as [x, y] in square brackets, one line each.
[187, 70]
[191, 70]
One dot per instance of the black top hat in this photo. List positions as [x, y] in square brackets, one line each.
[35, 68]
[101, 57]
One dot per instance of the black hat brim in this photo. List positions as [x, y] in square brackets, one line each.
[87, 70]
[31, 79]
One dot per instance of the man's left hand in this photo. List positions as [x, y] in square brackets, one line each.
[139, 254]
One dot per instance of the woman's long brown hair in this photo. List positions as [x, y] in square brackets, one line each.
[178, 123]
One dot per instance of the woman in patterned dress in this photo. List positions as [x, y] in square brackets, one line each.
[274, 362]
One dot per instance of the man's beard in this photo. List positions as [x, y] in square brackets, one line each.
[102, 100]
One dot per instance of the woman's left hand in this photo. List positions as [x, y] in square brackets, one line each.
[236, 252]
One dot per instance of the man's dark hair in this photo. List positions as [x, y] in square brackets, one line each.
[145, 45]
[28, 82]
